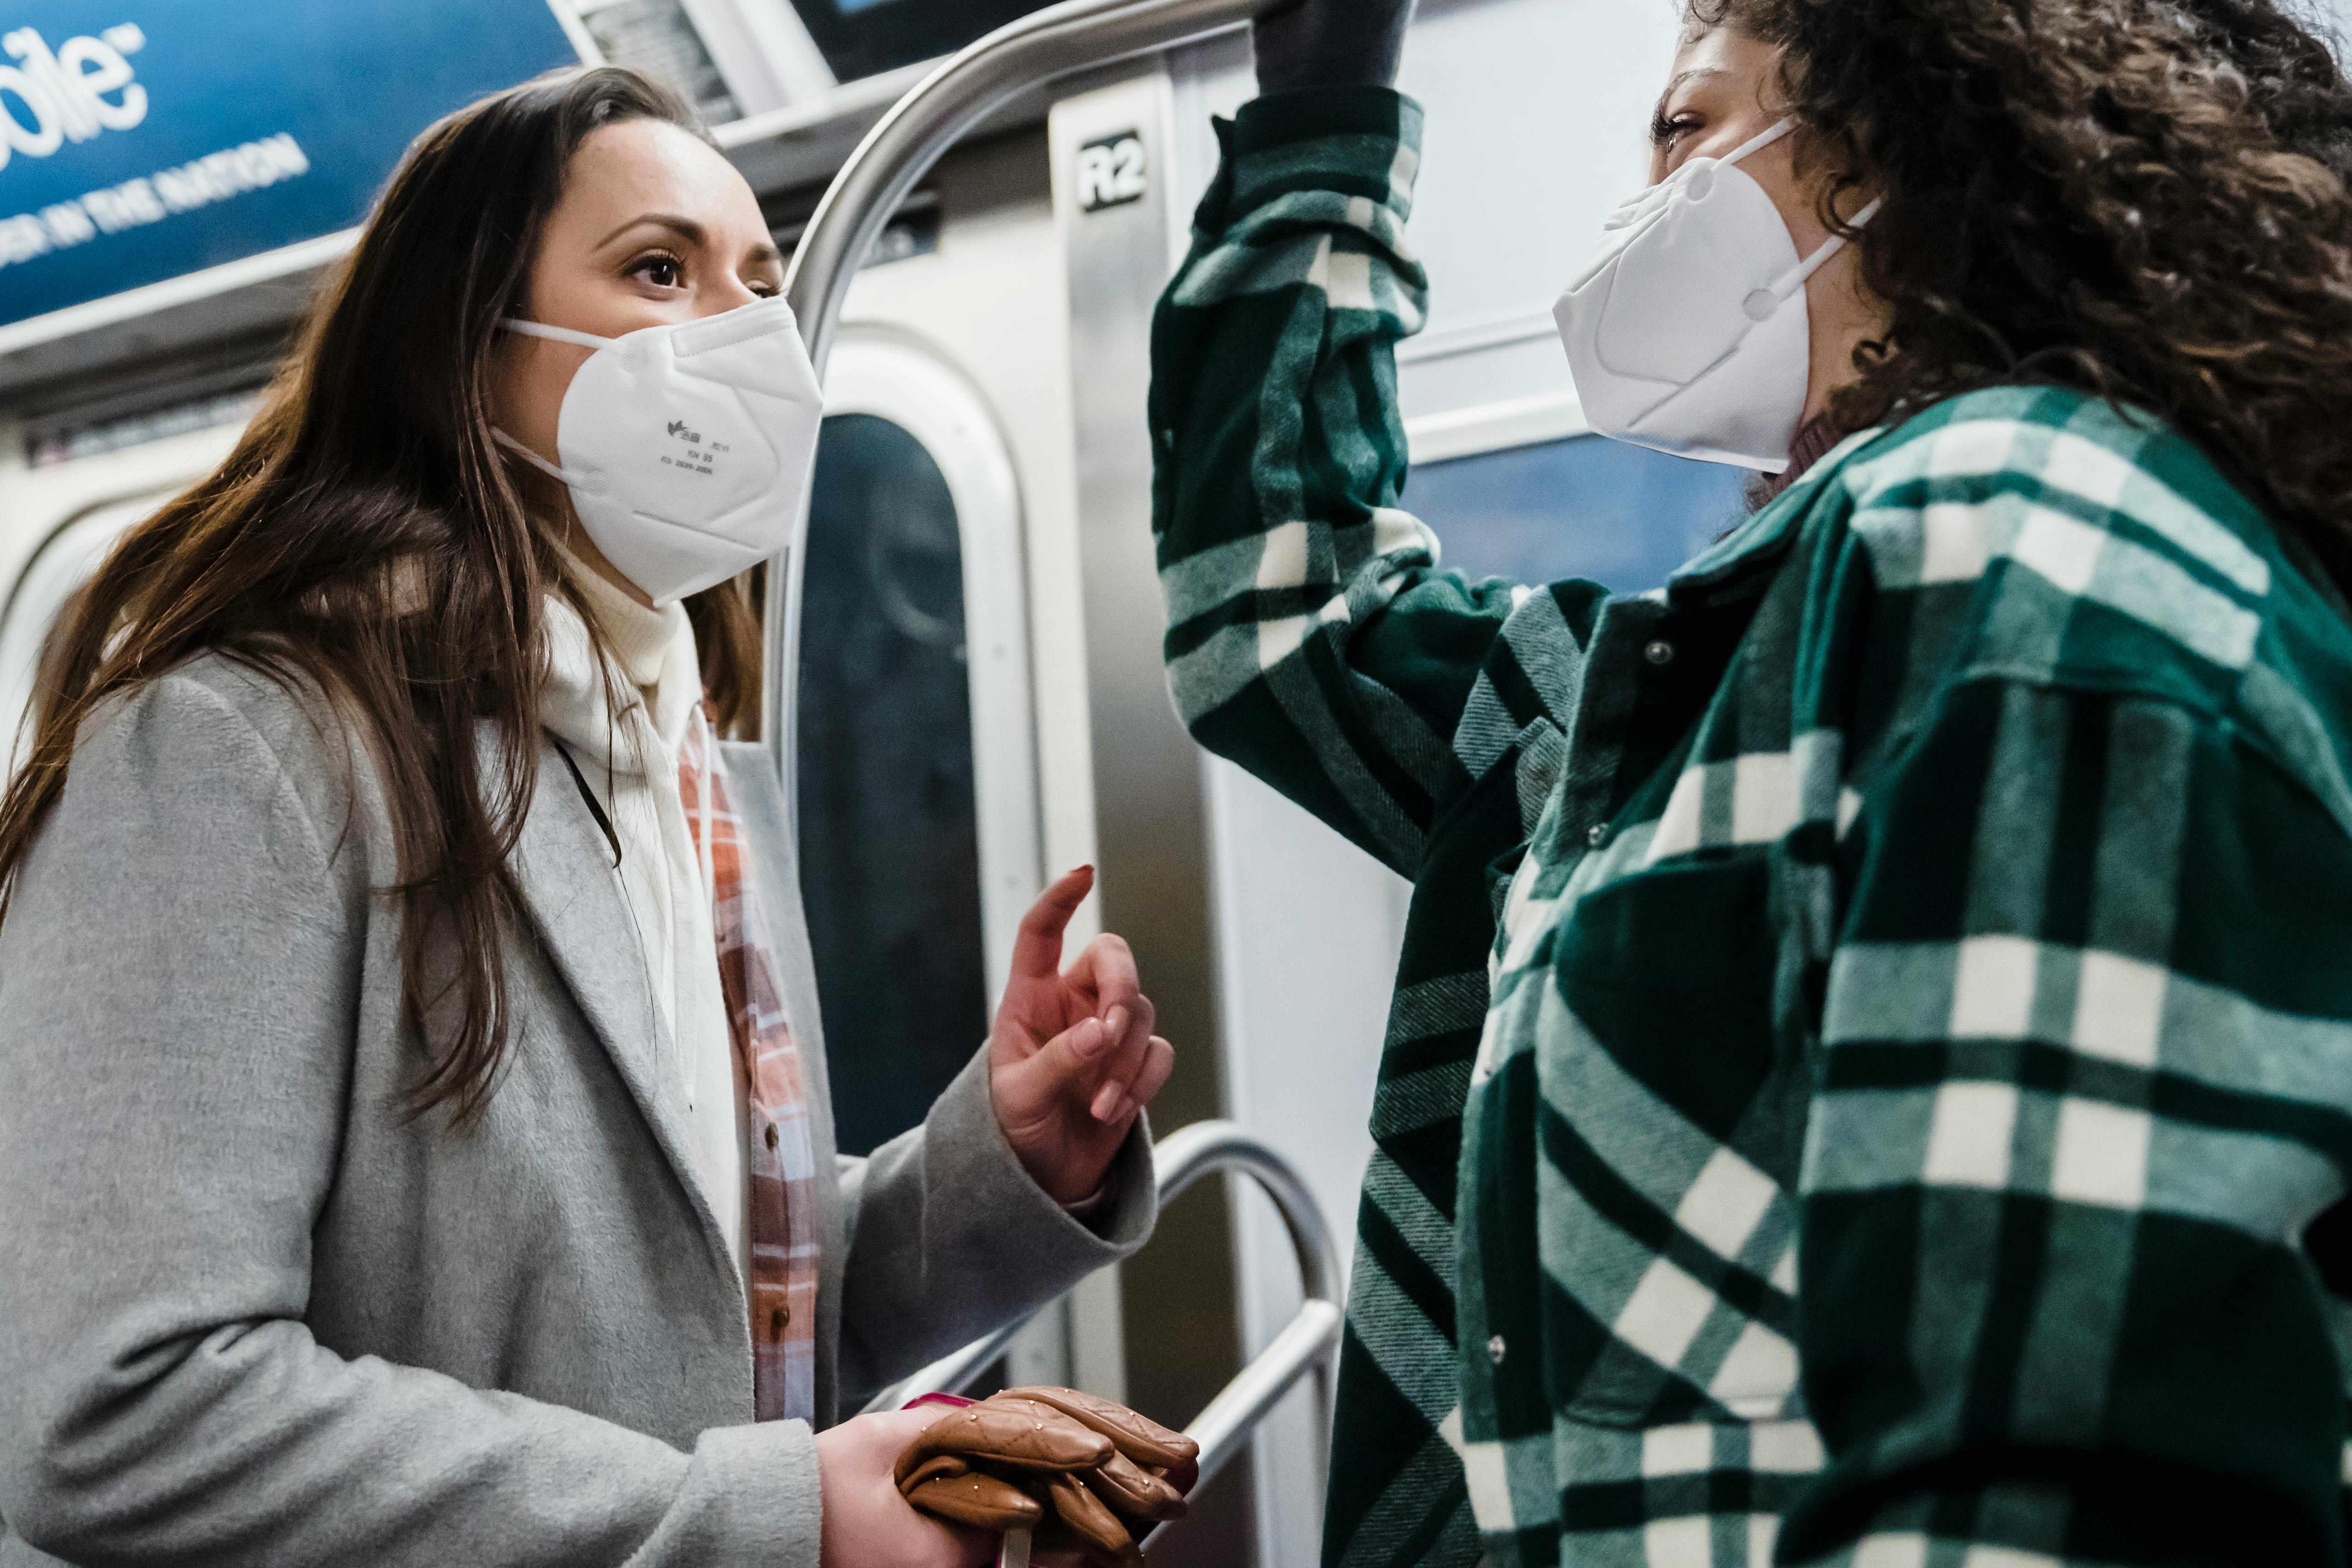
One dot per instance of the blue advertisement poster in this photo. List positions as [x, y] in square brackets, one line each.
[141, 140]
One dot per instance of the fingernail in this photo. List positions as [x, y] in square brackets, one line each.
[1115, 1023]
[1107, 1100]
[1091, 1039]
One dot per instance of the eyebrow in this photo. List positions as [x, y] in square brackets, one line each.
[695, 234]
[1679, 78]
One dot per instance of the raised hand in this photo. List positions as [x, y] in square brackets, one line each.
[1330, 43]
[1072, 1058]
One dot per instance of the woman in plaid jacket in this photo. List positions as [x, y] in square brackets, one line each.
[1870, 1075]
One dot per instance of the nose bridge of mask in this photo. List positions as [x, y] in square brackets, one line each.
[757, 349]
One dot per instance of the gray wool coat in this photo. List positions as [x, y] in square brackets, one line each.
[249, 1313]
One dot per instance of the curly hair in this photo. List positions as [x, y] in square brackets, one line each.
[2146, 199]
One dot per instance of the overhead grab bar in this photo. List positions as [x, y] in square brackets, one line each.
[1307, 1346]
[878, 177]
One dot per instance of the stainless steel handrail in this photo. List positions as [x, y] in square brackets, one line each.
[1306, 1345]
[900, 150]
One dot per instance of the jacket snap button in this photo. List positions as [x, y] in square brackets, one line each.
[778, 1321]
[773, 1139]
[1494, 1349]
[1597, 834]
[1659, 654]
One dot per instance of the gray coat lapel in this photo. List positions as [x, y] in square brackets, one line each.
[564, 865]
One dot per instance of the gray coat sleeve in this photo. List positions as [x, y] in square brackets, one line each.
[178, 984]
[935, 1214]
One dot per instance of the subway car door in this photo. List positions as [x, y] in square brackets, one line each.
[67, 495]
[917, 782]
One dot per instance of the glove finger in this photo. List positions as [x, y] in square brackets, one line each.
[977, 1500]
[1136, 1436]
[1184, 1477]
[1021, 1433]
[932, 1469]
[923, 1449]
[1096, 1525]
[1133, 1492]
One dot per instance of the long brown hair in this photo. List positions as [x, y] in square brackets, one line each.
[2143, 198]
[366, 542]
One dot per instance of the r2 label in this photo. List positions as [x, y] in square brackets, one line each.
[1112, 173]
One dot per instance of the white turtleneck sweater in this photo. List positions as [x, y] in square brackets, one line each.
[634, 771]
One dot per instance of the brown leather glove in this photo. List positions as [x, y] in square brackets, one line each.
[1086, 1475]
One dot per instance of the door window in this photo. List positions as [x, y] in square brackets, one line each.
[1587, 507]
[29, 609]
[889, 833]
[915, 756]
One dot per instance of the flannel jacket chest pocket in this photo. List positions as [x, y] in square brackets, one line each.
[1677, 1108]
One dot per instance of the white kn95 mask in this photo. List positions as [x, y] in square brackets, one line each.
[1687, 331]
[687, 447]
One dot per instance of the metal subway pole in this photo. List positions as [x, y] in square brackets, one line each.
[898, 152]
[1304, 1347]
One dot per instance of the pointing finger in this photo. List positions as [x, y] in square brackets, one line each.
[1037, 946]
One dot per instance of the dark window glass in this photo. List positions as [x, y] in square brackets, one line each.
[889, 838]
[863, 37]
[1587, 507]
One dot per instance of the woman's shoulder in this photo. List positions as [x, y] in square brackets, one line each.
[2091, 537]
[2052, 537]
[2102, 461]
[241, 732]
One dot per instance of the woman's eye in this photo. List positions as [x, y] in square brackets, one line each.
[661, 271]
[1665, 133]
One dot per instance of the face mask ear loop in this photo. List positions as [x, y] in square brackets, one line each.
[1769, 298]
[528, 456]
[1762, 139]
[555, 334]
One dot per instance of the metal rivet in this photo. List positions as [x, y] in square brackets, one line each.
[1597, 834]
[778, 1321]
[1661, 653]
[773, 1139]
[1494, 1349]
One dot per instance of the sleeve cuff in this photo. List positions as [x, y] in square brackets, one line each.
[1306, 114]
[964, 1129]
[1351, 142]
[751, 1494]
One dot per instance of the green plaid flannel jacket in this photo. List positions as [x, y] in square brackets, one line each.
[1870, 1080]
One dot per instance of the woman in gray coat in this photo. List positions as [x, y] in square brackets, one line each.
[414, 1145]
